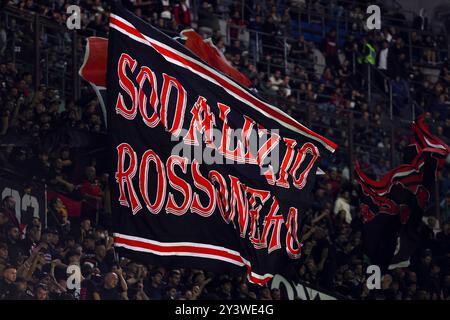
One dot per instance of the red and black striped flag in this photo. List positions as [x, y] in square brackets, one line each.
[393, 207]
[205, 173]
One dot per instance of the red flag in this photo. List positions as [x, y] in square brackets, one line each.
[93, 69]
[73, 206]
[209, 53]
[393, 206]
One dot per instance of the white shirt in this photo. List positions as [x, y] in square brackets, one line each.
[382, 64]
[275, 83]
[342, 204]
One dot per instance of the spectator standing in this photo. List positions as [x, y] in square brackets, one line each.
[208, 23]
[420, 22]
[269, 30]
[88, 286]
[235, 24]
[182, 15]
[9, 209]
[92, 194]
[331, 50]
[276, 81]
[382, 65]
[13, 241]
[57, 216]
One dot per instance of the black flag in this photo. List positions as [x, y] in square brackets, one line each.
[393, 206]
[205, 174]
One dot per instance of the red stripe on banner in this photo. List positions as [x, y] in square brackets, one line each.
[225, 83]
[192, 250]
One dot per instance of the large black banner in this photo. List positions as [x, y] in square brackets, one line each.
[205, 174]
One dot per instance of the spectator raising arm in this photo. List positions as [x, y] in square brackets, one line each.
[123, 283]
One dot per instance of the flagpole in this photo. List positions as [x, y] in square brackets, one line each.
[75, 79]
[45, 204]
[350, 147]
[436, 197]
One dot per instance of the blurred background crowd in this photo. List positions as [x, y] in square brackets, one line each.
[316, 60]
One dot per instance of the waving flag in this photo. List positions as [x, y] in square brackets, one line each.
[393, 206]
[204, 173]
[93, 69]
[210, 54]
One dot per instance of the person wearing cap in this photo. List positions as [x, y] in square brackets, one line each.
[51, 253]
[54, 239]
[73, 257]
[88, 286]
[49, 237]
[89, 247]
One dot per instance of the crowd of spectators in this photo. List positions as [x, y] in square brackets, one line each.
[323, 81]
